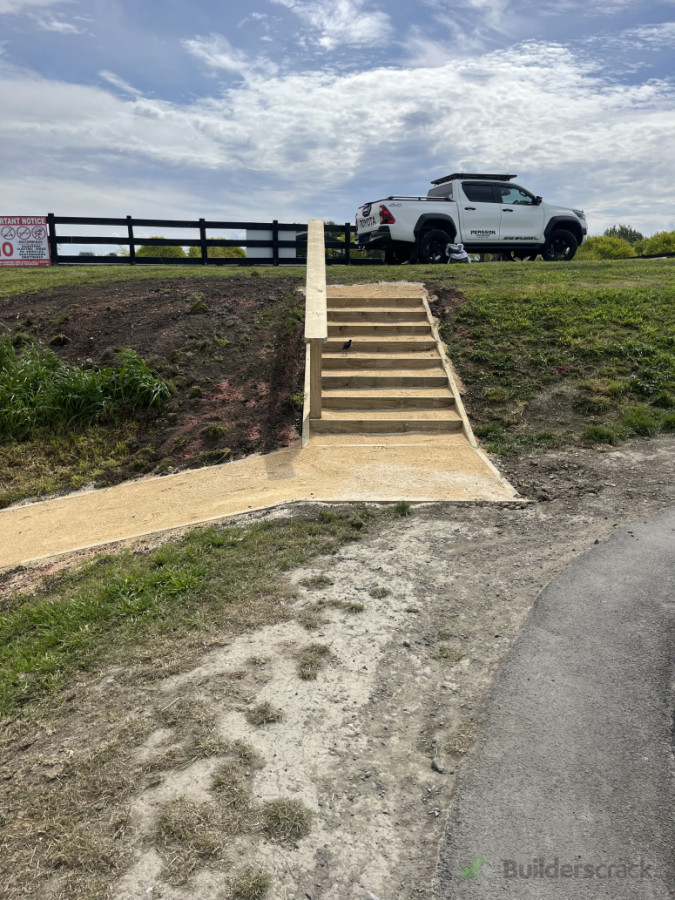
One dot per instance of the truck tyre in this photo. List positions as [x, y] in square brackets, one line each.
[432, 246]
[561, 246]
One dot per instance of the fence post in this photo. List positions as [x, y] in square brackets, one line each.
[202, 238]
[132, 246]
[53, 244]
[275, 242]
[348, 240]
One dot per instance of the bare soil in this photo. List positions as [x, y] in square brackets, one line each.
[372, 747]
[232, 349]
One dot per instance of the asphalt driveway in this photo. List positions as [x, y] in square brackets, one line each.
[569, 793]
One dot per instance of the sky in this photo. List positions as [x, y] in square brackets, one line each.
[253, 110]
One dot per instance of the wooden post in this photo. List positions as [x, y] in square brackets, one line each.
[132, 246]
[275, 242]
[202, 238]
[53, 244]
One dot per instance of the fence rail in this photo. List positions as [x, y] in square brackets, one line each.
[339, 244]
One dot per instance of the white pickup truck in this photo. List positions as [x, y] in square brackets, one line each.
[487, 213]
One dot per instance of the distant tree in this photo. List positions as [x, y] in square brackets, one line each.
[166, 252]
[218, 252]
[661, 242]
[604, 247]
[625, 232]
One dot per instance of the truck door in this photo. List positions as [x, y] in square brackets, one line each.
[479, 213]
[522, 217]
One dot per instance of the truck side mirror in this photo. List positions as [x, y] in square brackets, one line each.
[537, 200]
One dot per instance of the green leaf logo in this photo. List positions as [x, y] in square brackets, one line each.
[472, 870]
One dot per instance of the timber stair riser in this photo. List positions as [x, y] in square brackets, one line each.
[372, 381]
[382, 362]
[363, 316]
[346, 402]
[391, 346]
[385, 426]
[369, 302]
[375, 329]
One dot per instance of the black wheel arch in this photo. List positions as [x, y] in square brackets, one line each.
[571, 225]
[434, 220]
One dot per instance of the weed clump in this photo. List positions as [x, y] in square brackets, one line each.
[190, 835]
[311, 660]
[249, 884]
[285, 820]
[263, 714]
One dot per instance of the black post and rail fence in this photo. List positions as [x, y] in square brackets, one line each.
[278, 243]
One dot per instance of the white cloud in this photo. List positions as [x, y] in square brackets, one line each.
[14, 7]
[217, 52]
[653, 36]
[51, 23]
[334, 23]
[537, 109]
[119, 83]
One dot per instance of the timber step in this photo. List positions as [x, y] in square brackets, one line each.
[365, 302]
[392, 379]
[380, 362]
[372, 401]
[359, 316]
[387, 344]
[351, 329]
[385, 426]
[378, 381]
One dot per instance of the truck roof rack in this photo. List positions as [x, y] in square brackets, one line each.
[477, 176]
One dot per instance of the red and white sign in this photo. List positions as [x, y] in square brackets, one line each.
[23, 241]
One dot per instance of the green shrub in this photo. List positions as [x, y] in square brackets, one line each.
[661, 242]
[606, 247]
[39, 391]
[166, 252]
[600, 434]
[218, 253]
[639, 419]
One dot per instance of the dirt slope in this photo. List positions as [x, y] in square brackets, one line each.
[232, 348]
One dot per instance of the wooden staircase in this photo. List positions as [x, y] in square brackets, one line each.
[393, 378]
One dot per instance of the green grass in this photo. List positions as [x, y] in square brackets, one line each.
[17, 281]
[39, 392]
[61, 462]
[599, 330]
[600, 335]
[214, 581]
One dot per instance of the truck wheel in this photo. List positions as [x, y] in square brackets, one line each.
[432, 246]
[561, 246]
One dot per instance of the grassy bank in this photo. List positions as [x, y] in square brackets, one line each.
[554, 355]
[551, 354]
